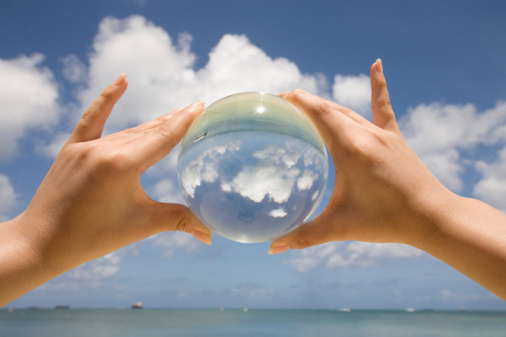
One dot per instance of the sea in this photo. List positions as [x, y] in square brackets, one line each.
[250, 323]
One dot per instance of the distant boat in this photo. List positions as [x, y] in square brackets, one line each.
[410, 309]
[62, 307]
[345, 309]
[137, 305]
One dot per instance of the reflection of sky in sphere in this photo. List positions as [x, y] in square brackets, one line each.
[252, 186]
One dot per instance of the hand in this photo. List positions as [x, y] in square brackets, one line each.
[381, 188]
[384, 193]
[91, 202]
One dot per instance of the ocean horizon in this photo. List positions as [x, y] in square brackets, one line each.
[126, 322]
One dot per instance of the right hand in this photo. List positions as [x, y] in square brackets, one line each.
[382, 191]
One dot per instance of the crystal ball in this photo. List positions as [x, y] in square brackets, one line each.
[252, 167]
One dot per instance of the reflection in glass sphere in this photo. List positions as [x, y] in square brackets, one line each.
[252, 167]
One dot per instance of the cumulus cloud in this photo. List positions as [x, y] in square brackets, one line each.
[74, 70]
[441, 133]
[348, 254]
[492, 187]
[175, 241]
[354, 92]
[309, 258]
[29, 97]
[97, 270]
[51, 148]
[92, 274]
[362, 254]
[161, 72]
[167, 190]
[7, 197]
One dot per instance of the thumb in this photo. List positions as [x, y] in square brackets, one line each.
[318, 231]
[176, 217]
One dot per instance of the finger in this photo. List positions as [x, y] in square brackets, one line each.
[327, 116]
[144, 127]
[175, 217]
[382, 112]
[151, 145]
[315, 232]
[92, 122]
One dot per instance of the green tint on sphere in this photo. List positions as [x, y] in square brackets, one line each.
[252, 167]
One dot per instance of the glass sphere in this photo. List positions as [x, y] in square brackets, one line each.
[252, 167]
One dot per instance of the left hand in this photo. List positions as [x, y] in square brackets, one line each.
[92, 202]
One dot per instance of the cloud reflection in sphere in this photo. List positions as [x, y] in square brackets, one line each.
[252, 167]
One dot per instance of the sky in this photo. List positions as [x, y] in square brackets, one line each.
[445, 66]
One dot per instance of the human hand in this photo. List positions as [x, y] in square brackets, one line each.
[91, 202]
[382, 191]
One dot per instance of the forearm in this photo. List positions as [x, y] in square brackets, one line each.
[21, 269]
[470, 236]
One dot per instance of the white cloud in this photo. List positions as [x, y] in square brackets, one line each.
[74, 70]
[362, 254]
[29, 96]
[492, 188]
[7, 197]
[52, 148]
[167, 190]
[440, 133]
[354, 92]
[161, 74]
[309, 258]
[97, 270]
[205, 167]
[349, 254]
[278, 213]
[175, 241]
[270, 182]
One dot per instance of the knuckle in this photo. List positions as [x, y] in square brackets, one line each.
[322, 108]
[116, 161]
[107, 94]
[181, 220]
[385, 104]
[107, 163]
[302, 243]
[180, 225]
[165, 130]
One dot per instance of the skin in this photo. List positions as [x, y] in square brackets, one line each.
[384, 193]
[91, 202]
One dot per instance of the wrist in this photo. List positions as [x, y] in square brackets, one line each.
[431, 214]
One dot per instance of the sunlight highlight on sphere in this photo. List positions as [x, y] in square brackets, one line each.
[252, 167]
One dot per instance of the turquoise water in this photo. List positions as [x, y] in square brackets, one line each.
[254, 323]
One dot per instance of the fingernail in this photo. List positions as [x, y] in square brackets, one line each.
[202, 237]
[119, 81]
[283, 93]
[380, 67]
[194, 106]
[278, 250]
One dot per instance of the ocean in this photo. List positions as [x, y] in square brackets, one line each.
[253, 323]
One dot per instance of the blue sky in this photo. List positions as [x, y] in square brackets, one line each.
[444, 62]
